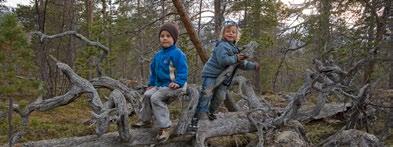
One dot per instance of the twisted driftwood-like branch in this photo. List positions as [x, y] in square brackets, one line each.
[105, 50]
[247, 92]
[79, 86]
[325, 79]
[131, 95]
[270, 123]
[188, 112]
[358, 112]
[351, 137]
[122, 110]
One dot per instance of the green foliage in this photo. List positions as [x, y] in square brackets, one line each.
[16, 58]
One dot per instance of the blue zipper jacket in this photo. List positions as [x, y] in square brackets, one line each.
[224, 55]
[168, 65]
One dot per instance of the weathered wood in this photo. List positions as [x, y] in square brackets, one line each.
[188, 112]
[290, 134]
[327, 110]
[259, 115]
[291, 109]
[190, 30]
[245, 122]
[105, 50]
[247, 92]
[131, 95]
[358, 112]
[122, 114]
[226, 124]
[138, 137]
[231, 104]
[79, 86]
[352, 138]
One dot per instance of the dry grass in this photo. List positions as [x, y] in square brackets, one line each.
[65, 121]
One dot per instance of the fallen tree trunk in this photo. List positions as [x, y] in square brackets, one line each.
[270, 123]
[352, 138]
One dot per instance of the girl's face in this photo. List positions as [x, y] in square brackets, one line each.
[166, 39]
[230, 33]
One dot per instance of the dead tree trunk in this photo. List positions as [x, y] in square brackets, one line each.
[218, 17]
[40, 50]
[190, 30]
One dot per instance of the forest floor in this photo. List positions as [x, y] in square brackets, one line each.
[70, 121]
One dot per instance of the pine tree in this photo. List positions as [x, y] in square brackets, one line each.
[16, 59]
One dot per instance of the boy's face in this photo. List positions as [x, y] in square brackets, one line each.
[230, 33]
[166, 39]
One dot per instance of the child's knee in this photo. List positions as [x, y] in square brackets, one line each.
[147, 95]
[156, 98]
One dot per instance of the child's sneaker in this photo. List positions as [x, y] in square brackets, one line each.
[163, 135]
[142, 124]
[212, 116]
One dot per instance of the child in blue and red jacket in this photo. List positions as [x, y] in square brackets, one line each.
[168, 75]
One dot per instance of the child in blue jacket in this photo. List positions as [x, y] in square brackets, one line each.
[168, 75]
[224, 54]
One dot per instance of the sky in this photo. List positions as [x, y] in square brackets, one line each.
[13, 3]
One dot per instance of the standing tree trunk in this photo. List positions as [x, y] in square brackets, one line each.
[218, 17]
[163, 12]
[89, 8]
[256, 22]
[10, 129]
[200, 17]
[324, 26]
[380, 22]
[389, 8]
[109, 35]
[190, 30]
[40, 50]
[69, 25]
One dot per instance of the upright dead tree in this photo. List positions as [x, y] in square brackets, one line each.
[190, 30]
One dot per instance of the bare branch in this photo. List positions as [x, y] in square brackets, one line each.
[132, 96]
[79, 86]
[105, 50]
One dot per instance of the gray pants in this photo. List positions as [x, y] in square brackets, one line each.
[155, 102]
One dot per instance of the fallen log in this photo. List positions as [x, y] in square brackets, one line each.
[352, 137]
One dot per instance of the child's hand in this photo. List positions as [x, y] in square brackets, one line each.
[241, 57]
[173, 85]
[257, 66]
